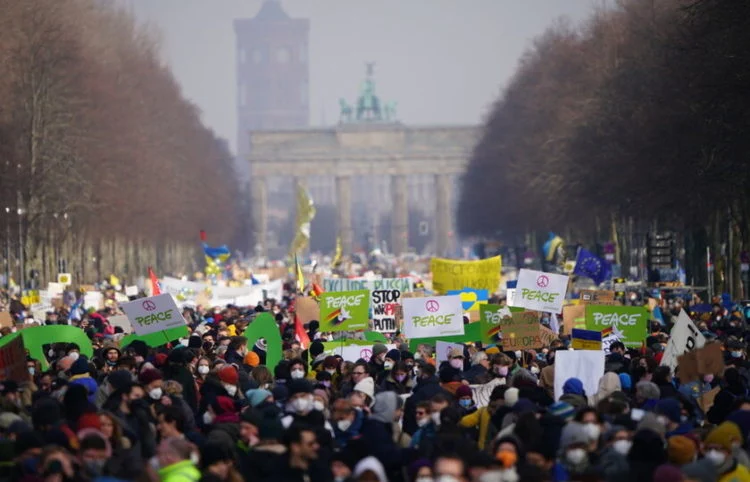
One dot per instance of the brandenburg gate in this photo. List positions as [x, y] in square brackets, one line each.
[373, 144]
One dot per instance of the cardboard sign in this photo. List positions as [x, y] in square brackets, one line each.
[597, 296]
[706, 401]
[688, 364]
[710, 359]
[386, 307]
[13, 361]
[629, 323]
[156, 313]
[307, 309]
[433, 317]
[344, 311]
[540, 291]
[574, 316]
[521, 332]
[547, 336]
[683, 338]
[6, 319]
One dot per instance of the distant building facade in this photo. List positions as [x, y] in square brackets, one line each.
[272, 72]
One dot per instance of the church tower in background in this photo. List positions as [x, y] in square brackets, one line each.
[272, 72]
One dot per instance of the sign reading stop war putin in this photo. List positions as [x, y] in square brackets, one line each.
[629, 323]
[156, 313]
[539, 291]
[433, 317]
[385, 307]
[345, 311]
[449, 274]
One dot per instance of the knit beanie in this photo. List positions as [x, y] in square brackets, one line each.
[366, 386]
[222, 404]
[670, 408]
[80, 366]
[257, 396]
[511, 396]
[573, 433]
[724, 435]
[394, 355]
[378, 348]
[229, 375]
[563, 410]
[89, 420]
[463, 391]
[252, 359]
[299, 386]
[150, 375]
[680, 450]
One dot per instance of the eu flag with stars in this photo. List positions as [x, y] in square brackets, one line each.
[591, 266]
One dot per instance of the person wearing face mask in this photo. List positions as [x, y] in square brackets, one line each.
[426, 388]
[297, 369]
[152, 380]
[94, 452]
[573, 459]
[229, 378]
[719, 447]
[398, 380]
[456, 359]
[377, 434]
[376, 365]
[201, 370]
[425, 436]
[465, 401]
[669, 411]
[613, 459]
[222, 415]
[347, 422]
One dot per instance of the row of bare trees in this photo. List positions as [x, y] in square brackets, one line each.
[639, 117]
[103, 163]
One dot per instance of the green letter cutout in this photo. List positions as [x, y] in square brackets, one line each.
[35, 337]
[264, 326]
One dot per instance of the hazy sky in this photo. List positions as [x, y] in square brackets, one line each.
[443, 61]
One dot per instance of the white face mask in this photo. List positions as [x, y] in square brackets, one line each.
[388, 365]
[423, 421]
[208, 418]
[344, 425]
[203, 369]
[318, 406]
[435, 418]
[155, 394]
[622, 446]
[331, 371]
[74, 355]
[535, 370]
[301, 405]
[663, 420]
[592, 431]
[231, 389]
[575, 456]
[298, 374]
[716, 457]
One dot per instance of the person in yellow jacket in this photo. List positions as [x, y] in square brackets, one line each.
[719, 449]
[482, 417]
[174, 460]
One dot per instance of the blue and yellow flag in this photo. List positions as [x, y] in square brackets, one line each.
[300, 276]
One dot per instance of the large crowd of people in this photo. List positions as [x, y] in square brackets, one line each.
[208, 408]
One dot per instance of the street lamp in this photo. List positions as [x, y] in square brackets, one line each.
[22, 277]
[7, 249]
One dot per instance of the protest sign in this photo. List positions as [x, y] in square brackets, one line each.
[510, 296]
[706, 401]
[607, 341]
[351, 350]
[431, 317]
[585, 365]
[156, 313]
[13, 361]
[306, 309]
[443, 348]
[521, 331]
[344, 311]
[471, 299]
[586, 340]
[386, 305]
[490, 321]
[121, 321]
[540, 291]
[684, 337]
[131, 290]
[574, 316]
[629, 323]
[547, 336]
[710, 359]
[449, 274]
[6, 319]
[597, 296]
[345, 284]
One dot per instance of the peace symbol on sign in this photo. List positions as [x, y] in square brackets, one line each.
[149, 305]
[542, 281]
[432, 306]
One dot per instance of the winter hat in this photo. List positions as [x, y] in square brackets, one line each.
[229, 375]
[573, 433]
[299, 386]
[724, 435]
[670, 408]
[742, 419]
[252, 359]
[195, 342]
[463, 391]
[493, 350]
[119, 379]
[394, 355]
[257, 396]
[160, 359]
[280, 392]
[680, 450]
[213, 452]
[562, 410]
[270, 427]
[366, 386]
[46, 412]
[149, 376]
[330, 362]
[27, 441]
[407, 355]
[378, 348]
[319, 392]
[511, 396]
[625, 382]
[651, 422]
[573, 386]
[524, 405]
[667, 473]
[373, 465]
[80, 366]
[222, 404]
[316, 348]
[89, 420]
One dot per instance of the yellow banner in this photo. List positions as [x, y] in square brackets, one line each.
[449, 274]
